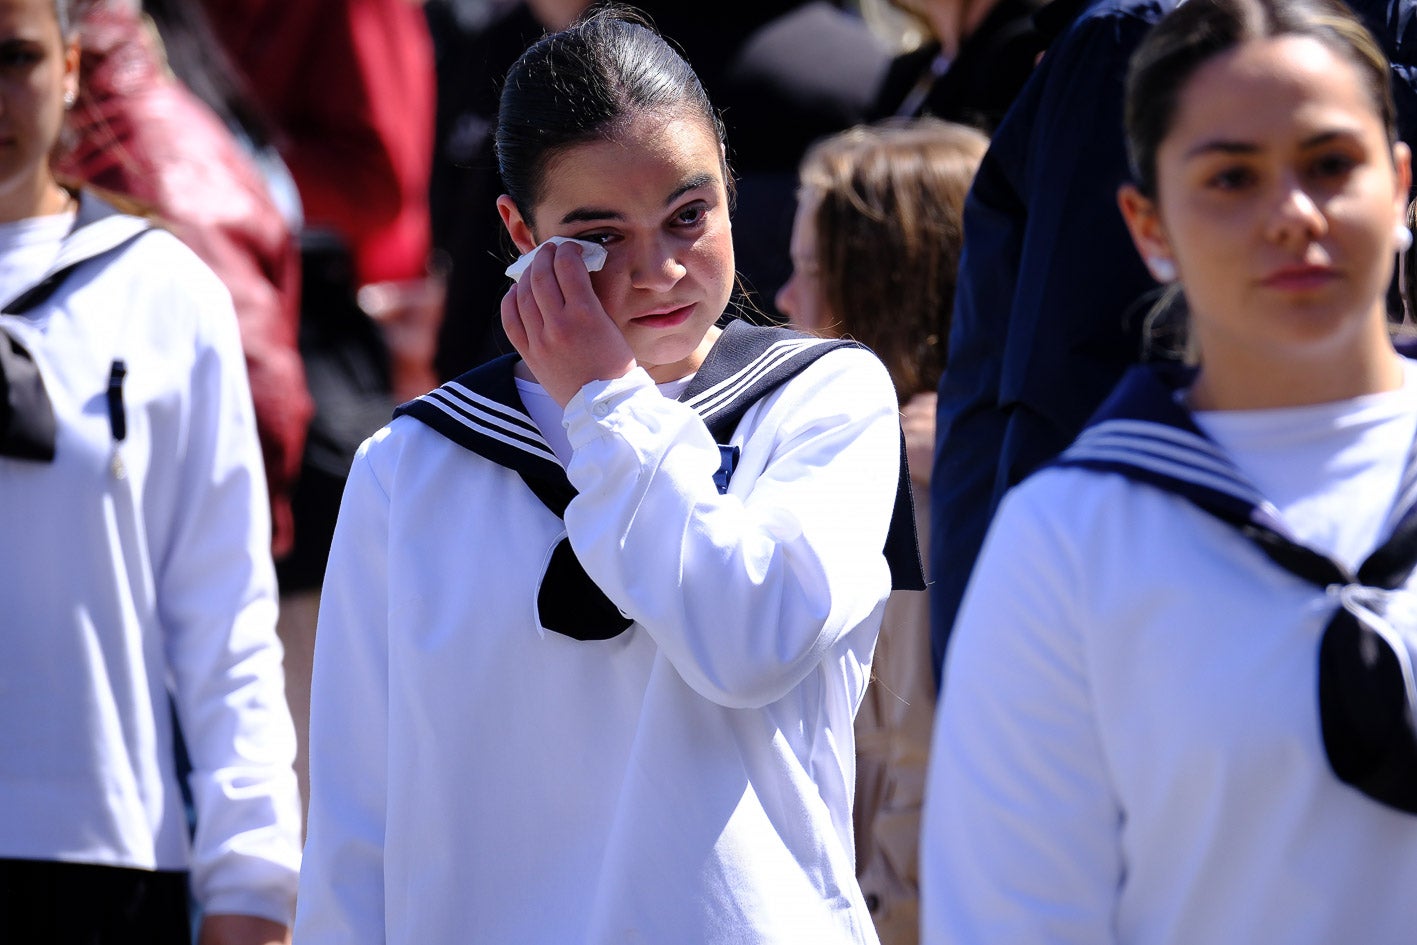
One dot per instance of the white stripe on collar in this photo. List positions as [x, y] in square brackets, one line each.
[721, 395]
[490, 419]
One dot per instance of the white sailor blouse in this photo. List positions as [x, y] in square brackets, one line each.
[138, 588]
[1164, 720]
[674, 763]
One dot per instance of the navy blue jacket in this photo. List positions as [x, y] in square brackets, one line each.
[1051, 290]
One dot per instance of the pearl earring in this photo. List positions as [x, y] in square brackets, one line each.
[69, 98]
[1403, 237]
[1162, 269]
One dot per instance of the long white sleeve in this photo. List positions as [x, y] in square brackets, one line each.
[216, 597]
[743, 592]
[1021, 836]
[342, 877]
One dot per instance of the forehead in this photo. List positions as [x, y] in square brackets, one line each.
[641, 164]
[804, 223]
[27, 17]
[1274, 88]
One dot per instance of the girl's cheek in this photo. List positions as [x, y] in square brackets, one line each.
[603, 282]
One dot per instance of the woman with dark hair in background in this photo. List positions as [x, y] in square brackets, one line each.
[978, 56]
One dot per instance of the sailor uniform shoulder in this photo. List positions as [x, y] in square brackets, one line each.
[750, 363]
[124, 272]
[747, 362]
[750, 367]
[482, 411]
[163, 268]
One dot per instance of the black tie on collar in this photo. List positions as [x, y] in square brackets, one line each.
[482, 412]
[1367, 687]
[1366, 695]
[27, 427]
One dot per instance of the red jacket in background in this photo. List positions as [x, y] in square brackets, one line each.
[350, 86]
[139, 133]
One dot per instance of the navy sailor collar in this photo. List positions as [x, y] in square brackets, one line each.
[1143, 432]
[1367, 682]
[483, 412]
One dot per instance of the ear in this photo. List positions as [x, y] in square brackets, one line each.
[1144, 223]
[1402, 163]
[71, 70]
[518, 228]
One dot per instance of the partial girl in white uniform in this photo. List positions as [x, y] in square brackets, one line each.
[875, 251]
[135, 573]
[598, 615]
[1178, 702]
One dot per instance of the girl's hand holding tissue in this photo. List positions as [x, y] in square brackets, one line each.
[558, 325]
[592, 253]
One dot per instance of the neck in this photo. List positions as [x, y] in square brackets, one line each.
[664, 373]
[44, 198]
[57, 200]
[1247, 380]
[953, 23]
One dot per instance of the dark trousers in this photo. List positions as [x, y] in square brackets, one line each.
[80, 904]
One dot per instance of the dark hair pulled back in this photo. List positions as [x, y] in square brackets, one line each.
[583, 84]
[1198, 30]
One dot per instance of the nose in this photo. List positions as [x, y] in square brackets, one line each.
[786, 298]
[1297, 218]
[656, 267]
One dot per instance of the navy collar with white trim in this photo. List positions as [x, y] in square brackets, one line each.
[483, 412]
[1144, 433]
[1366, 677]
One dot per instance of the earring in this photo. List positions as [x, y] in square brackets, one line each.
[1403, 237]
[1162, 269]
[69, 98]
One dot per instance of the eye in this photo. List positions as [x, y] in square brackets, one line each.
[1334, 165]
[1236, 177]
[691, 216]
[603, 239]
[15, 55]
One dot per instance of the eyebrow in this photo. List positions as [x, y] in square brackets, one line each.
[591, 214]
[1220, 146]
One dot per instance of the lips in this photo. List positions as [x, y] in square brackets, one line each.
[664, 317]
[1301, 278]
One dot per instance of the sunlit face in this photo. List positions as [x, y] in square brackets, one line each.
[801, 298]
[1278, 196]
[37, 70]
[655, 198]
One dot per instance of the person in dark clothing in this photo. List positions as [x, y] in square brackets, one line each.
[1051, 298]
[472, 51]
[979, 56]
[784, 84]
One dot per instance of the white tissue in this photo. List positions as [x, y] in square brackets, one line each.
[592, 253]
